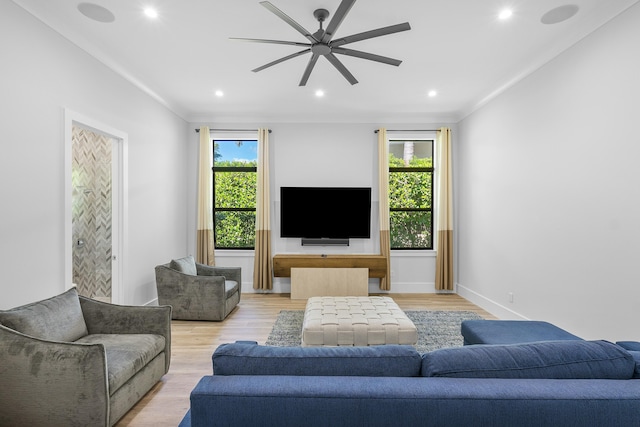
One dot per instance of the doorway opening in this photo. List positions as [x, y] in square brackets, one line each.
[95, 208]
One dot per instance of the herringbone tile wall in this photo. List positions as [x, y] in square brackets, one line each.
[92, 206]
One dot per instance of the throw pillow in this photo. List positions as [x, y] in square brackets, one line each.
[244, 358]
[58, 318]
[186, 265]
[544, 359]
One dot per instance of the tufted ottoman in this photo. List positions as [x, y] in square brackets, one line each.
[355, 321]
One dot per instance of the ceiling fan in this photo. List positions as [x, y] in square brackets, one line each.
[321, 43]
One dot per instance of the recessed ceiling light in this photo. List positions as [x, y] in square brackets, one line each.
[559, 14]
[319, 93]
[150, 13]
[219, 93]
[432, 93]
[505, 14]
[96, 12]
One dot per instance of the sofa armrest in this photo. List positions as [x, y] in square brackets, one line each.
[51, 383]
[206, 287]
[105, 318]
[229, 273]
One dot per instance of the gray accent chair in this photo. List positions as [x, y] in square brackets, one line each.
[73, 361]
[197, 291]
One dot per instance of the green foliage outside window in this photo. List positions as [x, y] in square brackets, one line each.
[235, 184]
[410, 203]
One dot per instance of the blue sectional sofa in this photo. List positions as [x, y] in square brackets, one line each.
[511, 332]
[550, 383]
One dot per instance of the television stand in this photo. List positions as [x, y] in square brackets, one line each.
[375, 263]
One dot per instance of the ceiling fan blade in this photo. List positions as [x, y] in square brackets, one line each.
[343, 70]
[277, 61]
[338, 17]
[307, 71]
[371, 34]
[269, 41]
[289, 21]
[366, 55]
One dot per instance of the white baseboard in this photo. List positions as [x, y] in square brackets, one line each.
[284, 287]
[278, 288]
[405, 288]
[498, 310]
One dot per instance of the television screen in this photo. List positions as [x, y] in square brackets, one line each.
[325, 212]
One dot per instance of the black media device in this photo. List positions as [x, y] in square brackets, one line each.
[322, 214]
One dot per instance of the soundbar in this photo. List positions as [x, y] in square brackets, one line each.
[325, 242]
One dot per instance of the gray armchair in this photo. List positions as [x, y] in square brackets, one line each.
[197, 291]
[72, 361]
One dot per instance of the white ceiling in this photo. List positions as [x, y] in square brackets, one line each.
[457, 47]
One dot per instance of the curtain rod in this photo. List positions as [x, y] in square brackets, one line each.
[231, 130]
[408, 130]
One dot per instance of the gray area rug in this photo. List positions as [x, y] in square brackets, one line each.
[436, 329]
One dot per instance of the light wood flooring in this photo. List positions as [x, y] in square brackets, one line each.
[194, 342]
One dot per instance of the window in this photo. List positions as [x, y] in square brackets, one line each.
[234, 193]
[411, 193]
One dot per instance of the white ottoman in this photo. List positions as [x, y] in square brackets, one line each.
[355, 321]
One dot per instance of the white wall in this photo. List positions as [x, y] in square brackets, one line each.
[548, 201]
[323, 154]
[41, 75]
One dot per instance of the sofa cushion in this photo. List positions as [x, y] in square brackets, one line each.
[632, 347]
[544, 359]
[636, 357]
[230, 288]
[126, 354]
[629, 345]
[379, 361]
[58, 318]
[186, 265]
[511, 332]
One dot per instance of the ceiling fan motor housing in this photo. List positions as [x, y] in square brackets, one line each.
[321, 49]
[321, 15]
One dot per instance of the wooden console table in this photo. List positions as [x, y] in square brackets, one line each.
[282, 263]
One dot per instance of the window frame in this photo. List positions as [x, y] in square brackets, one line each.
[226, 169]
[409, 169]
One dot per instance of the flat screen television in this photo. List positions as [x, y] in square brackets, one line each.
[325, 212]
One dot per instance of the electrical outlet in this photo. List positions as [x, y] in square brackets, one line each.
[510, 294]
